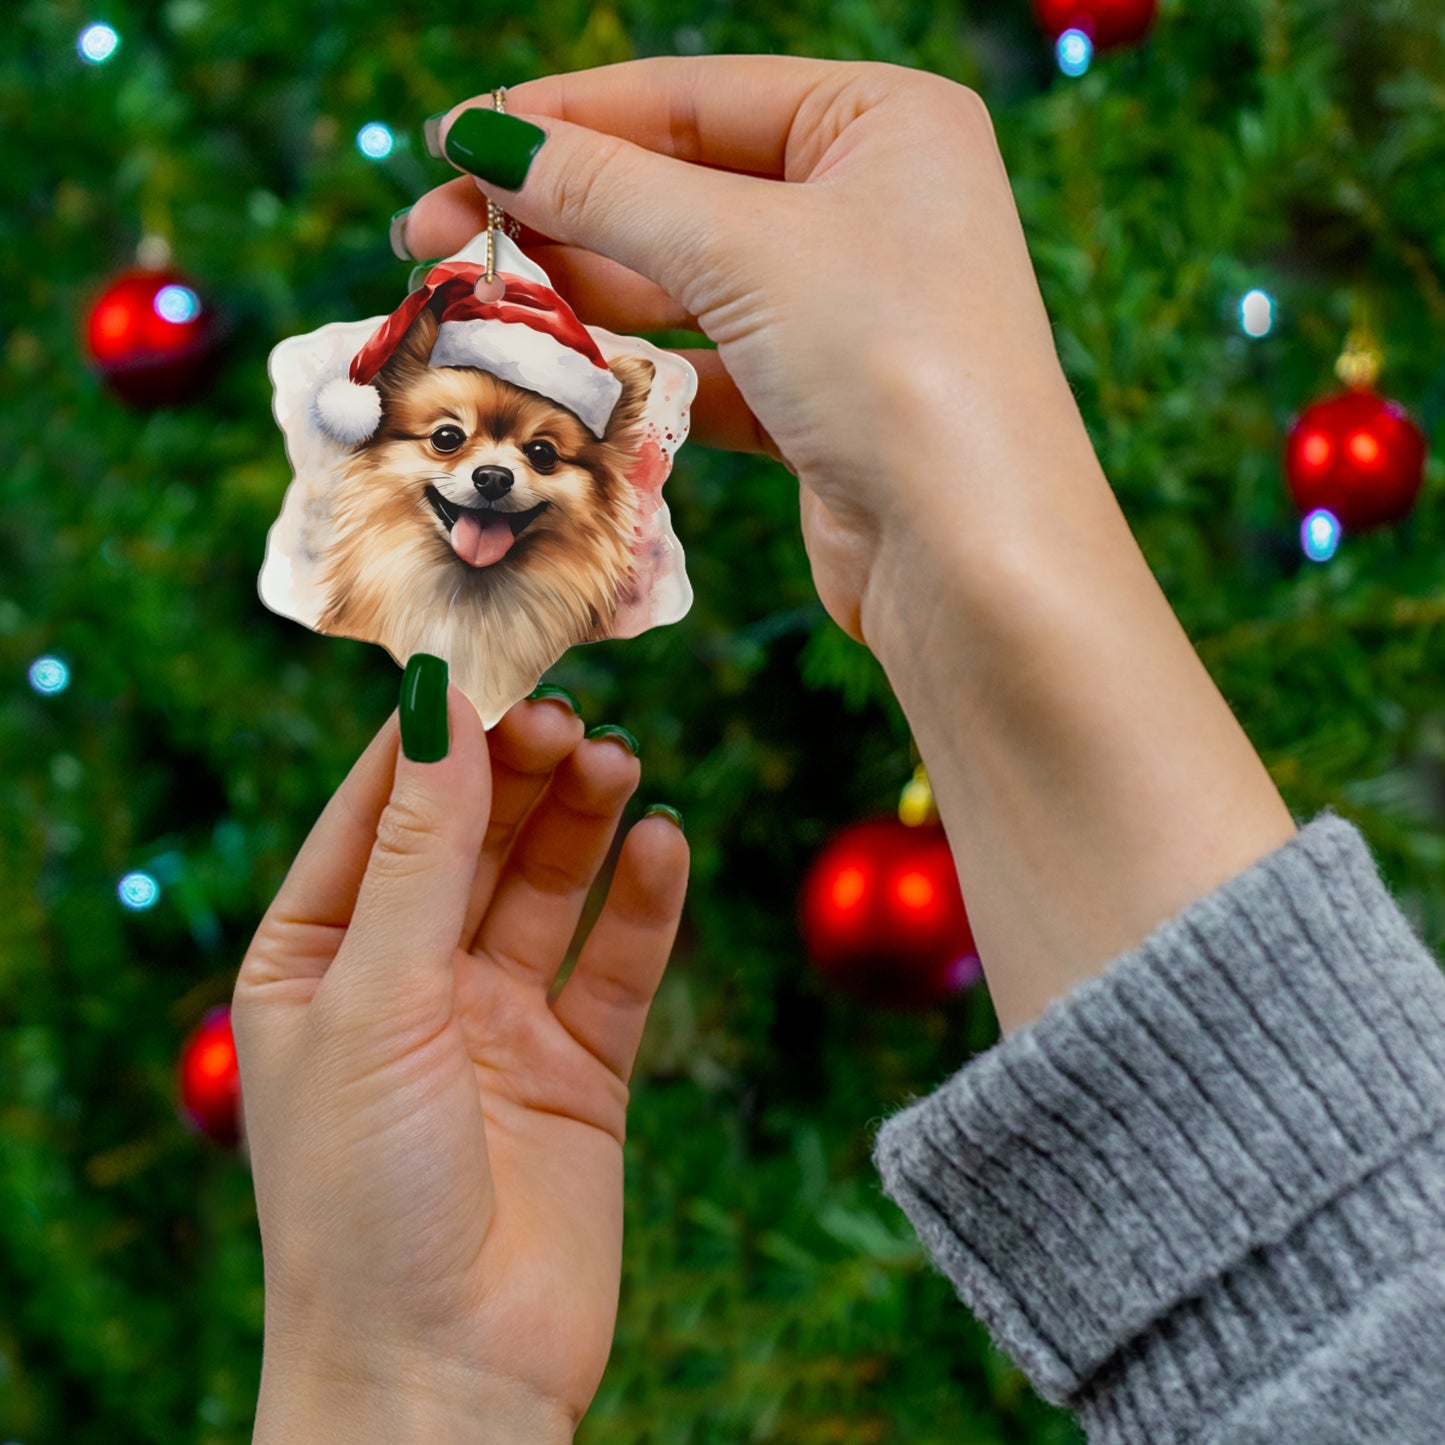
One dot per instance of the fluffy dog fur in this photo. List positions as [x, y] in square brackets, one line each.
[392, 574]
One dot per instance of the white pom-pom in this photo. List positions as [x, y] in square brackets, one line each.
[347, 412]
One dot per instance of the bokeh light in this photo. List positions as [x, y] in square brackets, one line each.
[1256, 313]
[849, 887]
[49, 675]
[177, 304]
[1320, 535]
[138, 891]
[1075, 52]
[375, 140]
[97, 43]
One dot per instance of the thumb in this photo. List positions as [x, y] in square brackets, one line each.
[666, 219]
[413, 898]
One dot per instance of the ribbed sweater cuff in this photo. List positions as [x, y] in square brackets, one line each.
[1210, 1108]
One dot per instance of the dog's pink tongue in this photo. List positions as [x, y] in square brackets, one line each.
[478, 543]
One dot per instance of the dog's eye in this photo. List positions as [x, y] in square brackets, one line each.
[542, 455]
[448, 438]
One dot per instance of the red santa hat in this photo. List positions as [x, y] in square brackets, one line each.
[529, 337]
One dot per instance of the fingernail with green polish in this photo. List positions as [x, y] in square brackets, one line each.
[612, 730]
[424, 737]
[396, 234]
[665, 811]
[498, 148]
[550, 689]
[431, 133]
[419, 274]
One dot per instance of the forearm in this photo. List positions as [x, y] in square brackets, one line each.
[1092, 779]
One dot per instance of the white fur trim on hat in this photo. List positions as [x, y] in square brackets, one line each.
[347, 412]
[535, 361]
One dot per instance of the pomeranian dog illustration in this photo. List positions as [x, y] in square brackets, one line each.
[483, 522]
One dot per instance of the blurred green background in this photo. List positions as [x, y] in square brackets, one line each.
[771, 1293]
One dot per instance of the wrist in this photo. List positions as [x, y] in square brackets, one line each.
[321, 1402]
[1038, 529]
[1092, 779]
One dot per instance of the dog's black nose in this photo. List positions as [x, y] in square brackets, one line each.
[492, 482]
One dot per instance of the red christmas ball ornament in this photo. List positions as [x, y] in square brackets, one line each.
[883, 918]
[1357, 455]
[210, 1080]
[1107, 23]
[152, 338]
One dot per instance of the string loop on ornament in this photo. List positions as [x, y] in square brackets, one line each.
[497, 218]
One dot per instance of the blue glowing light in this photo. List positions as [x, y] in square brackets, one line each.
[97, 44]
[375, 140]
[138, 891]
[177, 304]
[49, 675]
[1075, 52]
[1320, 535]
[1256, 313]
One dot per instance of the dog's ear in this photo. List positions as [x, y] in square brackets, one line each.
[412, 355]
[635, 373]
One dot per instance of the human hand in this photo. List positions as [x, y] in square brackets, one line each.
[437, 1150]
[877, 319]
[847, 235]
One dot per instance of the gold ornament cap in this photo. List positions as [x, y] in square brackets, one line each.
[1360, 362]
[915, 804]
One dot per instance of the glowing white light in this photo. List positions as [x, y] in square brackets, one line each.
[1320, 535]
[1256, 313]
[138, 891]
[1075, 52]
[375, 140]
[97, 44]
[177, 304]
[49, 675]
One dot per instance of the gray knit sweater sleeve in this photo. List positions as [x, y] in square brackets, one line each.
[1202, 1199]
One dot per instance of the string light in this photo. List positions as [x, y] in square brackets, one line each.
[375, 141]
[1320, 535]
[97, 43]
[1256, 313]
[49, 675]
[138, 891]
[177, 304]
[1075, 52]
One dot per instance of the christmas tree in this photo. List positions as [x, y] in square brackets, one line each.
[1213, 210]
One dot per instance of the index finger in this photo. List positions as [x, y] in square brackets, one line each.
[733, 112]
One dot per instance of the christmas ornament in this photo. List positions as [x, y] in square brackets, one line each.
[152, 338]
[1356, 454]
[1106, 23]
[478, 476]
[210, 1081]
[882, 915]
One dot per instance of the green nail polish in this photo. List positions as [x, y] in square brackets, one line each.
[419, 274]
[612, 730]
[665, 811]
[498, 148]
[431, 133]
[396, 234]
[424, 737]
[550, 689]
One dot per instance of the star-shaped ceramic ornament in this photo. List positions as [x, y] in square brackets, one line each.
[478, 476]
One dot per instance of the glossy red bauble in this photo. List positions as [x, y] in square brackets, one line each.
[152, 338]
[1107, 23]
[883, 917]
[1357, 455]
[210, 1081]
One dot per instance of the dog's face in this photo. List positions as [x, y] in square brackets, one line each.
[482, 522]
[494, 465]
[497, 473]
